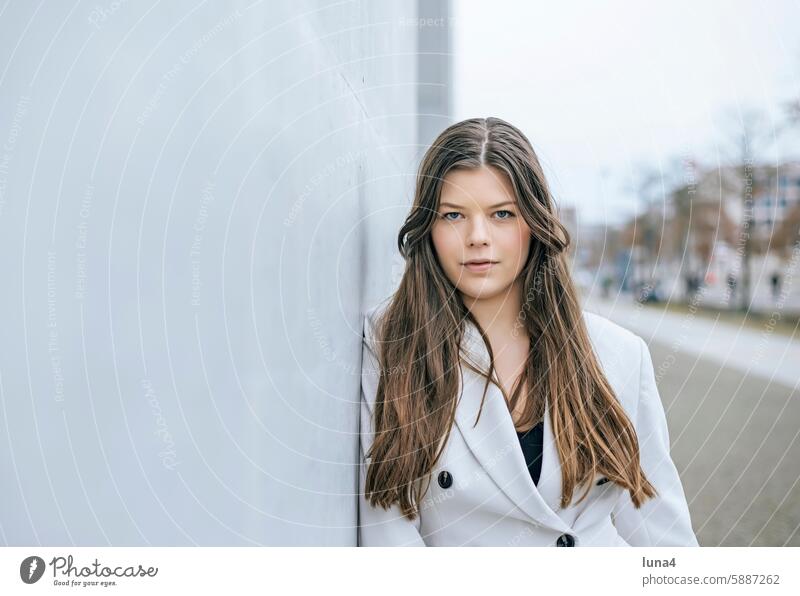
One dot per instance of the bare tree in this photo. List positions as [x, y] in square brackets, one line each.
[788, 234]
[754, 134]
[648, 187]
[750, 133]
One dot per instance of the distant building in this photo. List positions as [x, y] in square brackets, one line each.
[776, 195]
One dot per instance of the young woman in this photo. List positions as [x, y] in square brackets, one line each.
[494, 411]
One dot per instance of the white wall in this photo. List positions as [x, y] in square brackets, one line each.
[198, 200]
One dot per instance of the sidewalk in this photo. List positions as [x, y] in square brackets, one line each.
[766, 354]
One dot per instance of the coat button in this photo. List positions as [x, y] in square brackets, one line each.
[445, 479]
[565, 540]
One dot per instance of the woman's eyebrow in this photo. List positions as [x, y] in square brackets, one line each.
[490, 207]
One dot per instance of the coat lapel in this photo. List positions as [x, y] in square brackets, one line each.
[494, 443]
[550, 478]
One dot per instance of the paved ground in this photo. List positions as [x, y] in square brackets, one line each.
[733, 406]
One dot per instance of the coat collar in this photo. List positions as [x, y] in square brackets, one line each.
[494, 442]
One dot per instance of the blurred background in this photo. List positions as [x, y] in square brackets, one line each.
[670, 134]
[199, 201]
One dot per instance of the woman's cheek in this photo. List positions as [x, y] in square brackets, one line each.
[443, 250]
[445, 245]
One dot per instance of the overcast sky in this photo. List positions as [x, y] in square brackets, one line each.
[605, 87]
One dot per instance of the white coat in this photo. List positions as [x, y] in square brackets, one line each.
[490, 498]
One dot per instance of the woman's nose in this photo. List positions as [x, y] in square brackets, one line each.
[478, 232]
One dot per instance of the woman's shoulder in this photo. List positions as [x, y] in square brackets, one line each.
[371, 317]
[605, 331]
[618, 349]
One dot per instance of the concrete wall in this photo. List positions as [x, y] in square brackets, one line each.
[197, 202]
[435, 21]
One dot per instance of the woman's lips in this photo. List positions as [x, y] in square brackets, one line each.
[480, 267]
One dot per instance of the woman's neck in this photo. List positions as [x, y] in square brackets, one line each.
[500, 314]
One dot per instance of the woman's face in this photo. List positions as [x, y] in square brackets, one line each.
[478, 219]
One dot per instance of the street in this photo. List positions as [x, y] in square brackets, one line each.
[731, 397]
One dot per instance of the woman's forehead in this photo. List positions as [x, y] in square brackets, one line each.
[485, 187]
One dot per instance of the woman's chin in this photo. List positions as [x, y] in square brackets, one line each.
[481, 291]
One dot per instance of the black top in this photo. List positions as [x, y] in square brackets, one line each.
[531, 443]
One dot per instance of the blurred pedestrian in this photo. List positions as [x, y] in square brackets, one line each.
[607, 281]
[775, 280]
[731, 281]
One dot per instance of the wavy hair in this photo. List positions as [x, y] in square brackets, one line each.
[419, 336]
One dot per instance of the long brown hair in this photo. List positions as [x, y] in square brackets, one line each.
[422, 326]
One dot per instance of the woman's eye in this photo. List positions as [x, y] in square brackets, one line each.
[503, 214]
